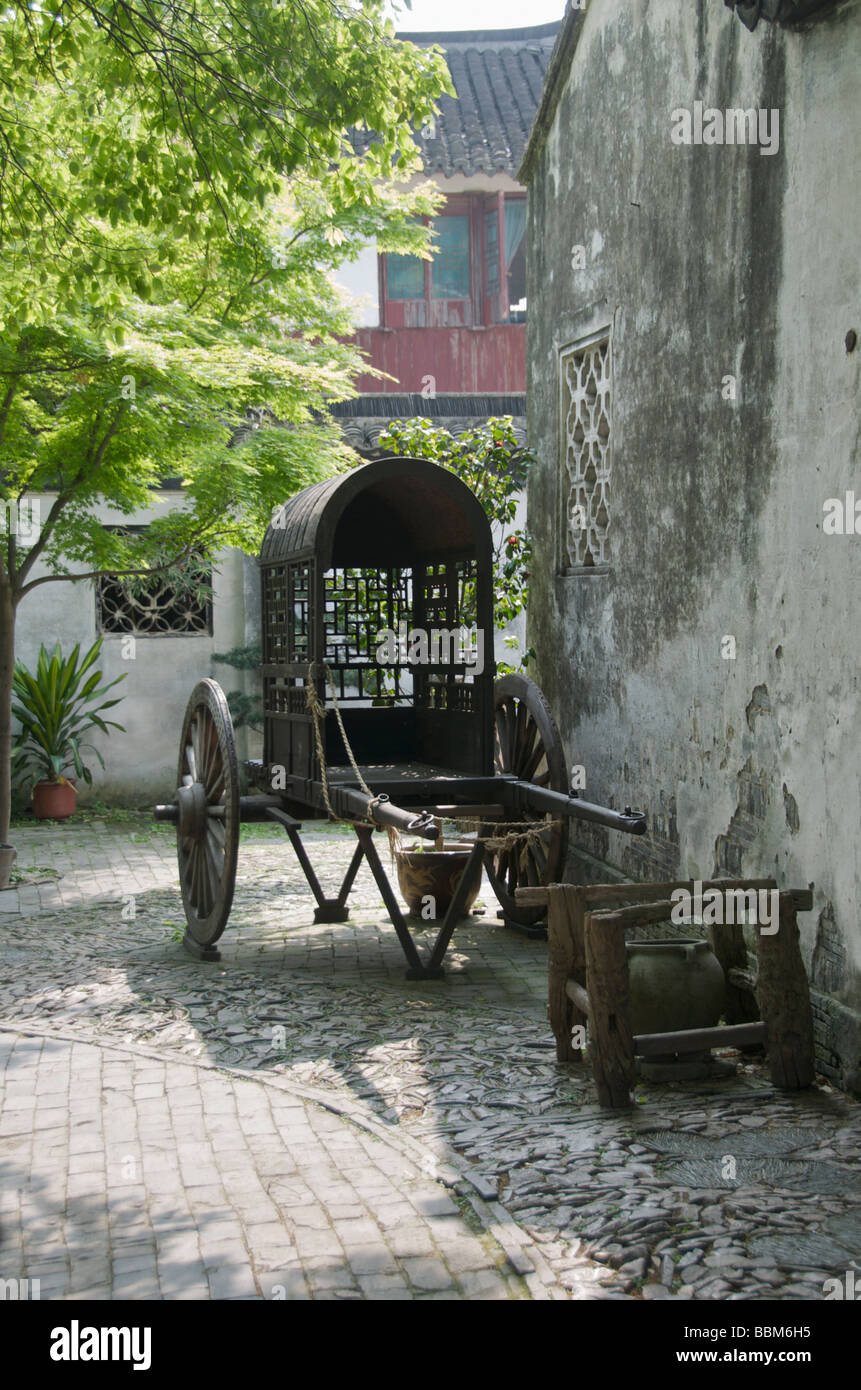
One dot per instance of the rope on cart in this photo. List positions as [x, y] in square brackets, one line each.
[318, 711]
[527, 832]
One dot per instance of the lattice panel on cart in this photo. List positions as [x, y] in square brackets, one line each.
[286, 594]
[586, 454]
[360, 608]
[447, 594]
[285, 696]
[446, 602]
[452, 695]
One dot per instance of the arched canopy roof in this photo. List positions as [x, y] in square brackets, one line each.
[391, 512]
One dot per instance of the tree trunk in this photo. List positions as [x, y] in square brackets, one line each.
[7, 666]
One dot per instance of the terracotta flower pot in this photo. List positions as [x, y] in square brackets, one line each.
[436, 874]
[54, 800]
[7, 859]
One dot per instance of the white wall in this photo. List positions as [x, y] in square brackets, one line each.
[140, 763]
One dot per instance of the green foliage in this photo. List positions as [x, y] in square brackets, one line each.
[56, 708]
[495, 465]
[141, 124]
[176, 186]
[241, 658]
[244, 709]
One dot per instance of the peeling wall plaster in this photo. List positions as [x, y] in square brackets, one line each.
[713, 260]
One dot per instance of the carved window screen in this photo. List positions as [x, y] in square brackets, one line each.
[156, 606]
[585, 382]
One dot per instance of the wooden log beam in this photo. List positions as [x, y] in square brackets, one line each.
[565, 954]
[784, 1002]
[728, 944]
[601, 894]
[742, 979]
[699, 1039]
[611, 1043]
[578, 996]
[636, 913]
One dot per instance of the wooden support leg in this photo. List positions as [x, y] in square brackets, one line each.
[611, 1042]
[727, 941]
[415, 970]
[565, 954]
[784, 1002]
[455, 907]
[327, 909]
[350, 875]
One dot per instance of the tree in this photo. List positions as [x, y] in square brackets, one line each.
[175, 187]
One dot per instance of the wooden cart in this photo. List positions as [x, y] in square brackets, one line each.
[382, 731]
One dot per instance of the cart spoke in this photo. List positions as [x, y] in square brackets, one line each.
[533, 873]
[215, 863]
[212, 752]
[503, 751]
[539, 855]
[204, 903]
[215, 783]
[191, 763]
[218, 831]
[195, 746]
[533, 761]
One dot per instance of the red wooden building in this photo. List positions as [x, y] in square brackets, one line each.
[452, 331]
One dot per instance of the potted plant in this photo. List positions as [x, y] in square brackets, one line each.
[56, 708]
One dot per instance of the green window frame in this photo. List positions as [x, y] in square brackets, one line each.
[450, 269]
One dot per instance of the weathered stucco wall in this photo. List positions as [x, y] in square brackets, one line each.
[140, 764]
[705, 262]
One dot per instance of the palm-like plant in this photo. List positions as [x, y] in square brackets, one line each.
[56, 708]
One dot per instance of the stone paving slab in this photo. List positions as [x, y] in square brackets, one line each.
[277, 1197]
[464, 1068]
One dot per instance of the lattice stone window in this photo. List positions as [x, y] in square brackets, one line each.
[585, 372]
[175, 603]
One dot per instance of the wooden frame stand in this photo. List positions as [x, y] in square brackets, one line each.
[588, 982]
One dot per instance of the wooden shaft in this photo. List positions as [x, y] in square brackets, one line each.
[564, 955]
[698, 1039]
[728, 944]
[578, 996]
[742, 979]
[784, 1002]
[598, 894]
[611, 1042]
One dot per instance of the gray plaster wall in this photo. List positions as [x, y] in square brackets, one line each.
[706, 261]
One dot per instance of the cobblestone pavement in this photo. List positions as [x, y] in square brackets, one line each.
[441, 1092]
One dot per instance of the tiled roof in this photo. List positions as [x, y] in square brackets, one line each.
[498, 75]
[364, 418]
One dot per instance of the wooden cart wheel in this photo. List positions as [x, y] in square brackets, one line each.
[527, 744]
[207, 832]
